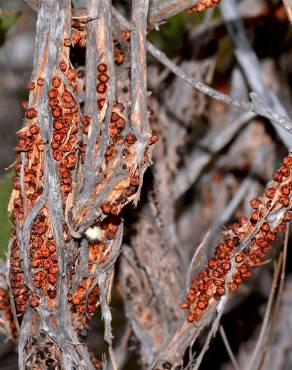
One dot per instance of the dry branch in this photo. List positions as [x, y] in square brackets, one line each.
[81, 158]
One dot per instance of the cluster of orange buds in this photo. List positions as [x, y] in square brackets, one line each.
[126, 35]
[103, 78]
[118, 121]
[78, 33]
[4, 299]
[97, 364]
[203, 5]
[43, 259]
[210, 284]
[66, 117]
[84, 302]
[30, 143]
[19, 291]
[118, 53]
[5, 307]
[27, 188]
[85, 124]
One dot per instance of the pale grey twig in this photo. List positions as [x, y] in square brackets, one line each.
[161, 10]
[288, 7]
[262, 339]
[200, 156]
[278, 300]
[265, 102]
[228, 348]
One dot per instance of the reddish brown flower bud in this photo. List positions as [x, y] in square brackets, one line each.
[21, 307]
[284, 170]
[277, 176]
[113, 228]
[126, 35]
[40, 81]
[232, 287]
[120, 107]
[72, 74]
[24, 104]
[185, 305]
[220, 290]
[63, 65]
[55, 145]
[213, 263]
[31, 113]
[119, 58]
[100, 103]
[34, 301]
[56, 111]
[52, 278]
[103, 78]
[218, 282]
[76, 300]
[54, 269]
[66, 188]
[67, 180]
[243, 220]
[284, 200]
[287, 161]
[130, 139]
[255, 203]
[191, 317]
[287, 216]
[135, 180]
[67, 42]
[254, 217]
[202, 304]
[57, 124]
[101, 88]
[36, 263]
[226, 266]
[56, 82]
[58, 136]
[3, 293]
[153, 139]
[53, 93]
[14, 263]
[52, 293]
[76, 37]
[34, 129]
[106, 207]
[102, 68]
[191, 296]
[37, 242]
[265, 227]
[45, 251]
[3, 305]
[58, 155]
[31, 86]
[222, 256]
[53, 102]
[285, 190]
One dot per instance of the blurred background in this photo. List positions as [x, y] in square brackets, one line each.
[201, 45]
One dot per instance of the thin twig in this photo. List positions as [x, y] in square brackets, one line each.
[265, 325]
[278, 301]
[254, 106]
[228, 348]
[288, 7]
[264, 100]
